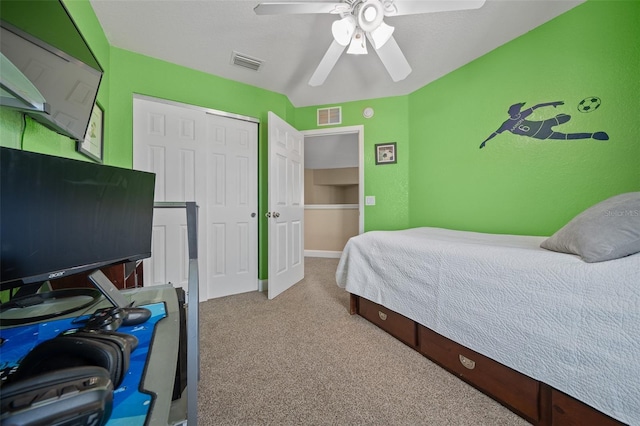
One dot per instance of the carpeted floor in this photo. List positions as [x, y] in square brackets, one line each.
[301, 359]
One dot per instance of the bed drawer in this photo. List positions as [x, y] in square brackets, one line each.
[567, 411]
[400, 327]
[514, 389]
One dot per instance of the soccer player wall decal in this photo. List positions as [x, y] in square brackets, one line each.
[519, 125]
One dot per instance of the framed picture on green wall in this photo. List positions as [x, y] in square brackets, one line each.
[386, 153]
[92, 145]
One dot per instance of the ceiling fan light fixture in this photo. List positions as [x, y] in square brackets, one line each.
[361, 20]
[381, 35]
[358, 44]
[343, 29]
[370, 15]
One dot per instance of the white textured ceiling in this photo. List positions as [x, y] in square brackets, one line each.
[202, 34]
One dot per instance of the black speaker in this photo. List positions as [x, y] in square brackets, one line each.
[180, 382]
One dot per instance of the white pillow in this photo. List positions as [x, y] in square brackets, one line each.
[608, 230]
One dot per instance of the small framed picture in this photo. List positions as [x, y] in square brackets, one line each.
[386, 153]
[92, 145]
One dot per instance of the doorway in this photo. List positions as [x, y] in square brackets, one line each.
[334, 189]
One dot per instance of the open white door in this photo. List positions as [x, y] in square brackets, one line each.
[286, 206]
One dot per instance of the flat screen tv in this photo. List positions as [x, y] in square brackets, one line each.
[41, 42]
[60, 216]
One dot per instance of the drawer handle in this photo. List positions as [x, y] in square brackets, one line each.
[466, 362]
[382, 315]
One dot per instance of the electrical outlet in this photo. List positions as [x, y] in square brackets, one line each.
[370, 200]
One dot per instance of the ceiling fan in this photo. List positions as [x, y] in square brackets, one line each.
[362, 20]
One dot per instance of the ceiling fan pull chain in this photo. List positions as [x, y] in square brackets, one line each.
[389, 7]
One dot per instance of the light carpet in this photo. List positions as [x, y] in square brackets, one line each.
[301, 359]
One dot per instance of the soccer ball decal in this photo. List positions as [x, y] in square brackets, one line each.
[589, 104]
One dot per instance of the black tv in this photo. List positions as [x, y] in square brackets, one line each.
[60, 216]
[40, 41]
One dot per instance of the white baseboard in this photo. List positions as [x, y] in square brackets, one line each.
[263, 285]
[323, 253]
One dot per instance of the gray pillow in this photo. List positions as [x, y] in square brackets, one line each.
[605, 231]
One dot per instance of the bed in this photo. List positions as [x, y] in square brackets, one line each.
[555, 337]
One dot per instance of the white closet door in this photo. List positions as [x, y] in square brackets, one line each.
[232, 196]
[194, 155]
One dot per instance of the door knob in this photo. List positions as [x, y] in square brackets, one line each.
[253, 215]
[276, 214]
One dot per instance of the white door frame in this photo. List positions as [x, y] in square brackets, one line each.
[359, 130]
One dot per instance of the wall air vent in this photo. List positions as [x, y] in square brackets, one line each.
[328, 116]
[244, 61]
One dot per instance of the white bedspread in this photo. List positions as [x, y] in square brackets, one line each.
[571, 324]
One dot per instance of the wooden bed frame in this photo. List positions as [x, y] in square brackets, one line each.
[536, 402]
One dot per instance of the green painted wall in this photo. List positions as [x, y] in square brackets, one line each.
[524, 185]
[389, 183]
[132, 73]
[514, 185]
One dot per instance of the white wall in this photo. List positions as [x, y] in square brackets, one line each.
[331, 152]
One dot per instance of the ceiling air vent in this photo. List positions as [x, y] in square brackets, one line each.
[327, 116]
[245, 61]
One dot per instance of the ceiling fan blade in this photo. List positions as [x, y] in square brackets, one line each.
[412, 7]
[326, 64]
[288, 8]
[393, 59]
